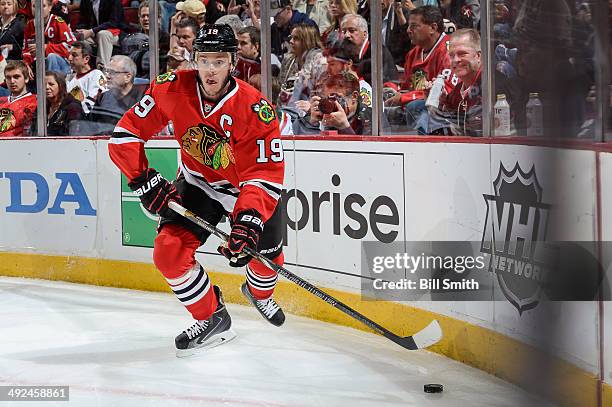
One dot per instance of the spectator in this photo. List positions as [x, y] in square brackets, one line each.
[460, 111]
[184, 34]
[337, 9]
[338, 108]
[340, 59]
[316, 10]
[19, 108]
[101, 22]
[84, 83]
[25, 10]
[193, 9]
[121, 95]
[58, 38]
[355, 29]
[464, 13]
[248, 62]
[307, 48]
[136, 45]
[11, 30]
[394, 30]
[233, 21]
[425, 61]
[62, 108]
[168, 9]
[252, 13]
[285, 18]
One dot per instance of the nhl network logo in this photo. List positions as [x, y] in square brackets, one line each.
[514, 235]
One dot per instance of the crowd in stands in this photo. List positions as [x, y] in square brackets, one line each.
[98, 61]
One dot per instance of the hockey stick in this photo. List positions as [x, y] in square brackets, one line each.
[426, 337]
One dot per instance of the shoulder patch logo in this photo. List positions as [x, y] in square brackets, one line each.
[165, 77]
[365, 97]
[208, 146]
[265, 112]
[59, 19]
[7, 120]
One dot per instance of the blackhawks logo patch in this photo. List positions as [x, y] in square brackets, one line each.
[365, 97]
[165, 77]
[7, 120]
[208, 146]
[265, 111]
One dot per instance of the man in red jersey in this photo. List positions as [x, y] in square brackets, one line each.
[460, 111]
[231, 164]
[426, 60]
[19, 109]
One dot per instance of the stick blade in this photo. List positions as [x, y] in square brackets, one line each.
[426, 337]
[430, 335]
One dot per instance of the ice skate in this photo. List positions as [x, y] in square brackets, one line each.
[269, 309]
[206, 334]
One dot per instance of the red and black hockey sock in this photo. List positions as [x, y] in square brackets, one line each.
[262, 279]
[174, 256]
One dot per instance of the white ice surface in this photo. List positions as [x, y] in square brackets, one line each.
[115, 347]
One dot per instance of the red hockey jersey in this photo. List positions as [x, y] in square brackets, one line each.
[58, 37]
[16, 114]
[245, 68]
[422, 66]
[231, 150]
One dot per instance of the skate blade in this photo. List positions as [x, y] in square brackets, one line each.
[215, 340]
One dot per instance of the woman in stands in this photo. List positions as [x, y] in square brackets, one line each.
[62, 108]
[11, 30]
[306, 46]
[337, 9]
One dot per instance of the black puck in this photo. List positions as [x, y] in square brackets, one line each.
[433, 388]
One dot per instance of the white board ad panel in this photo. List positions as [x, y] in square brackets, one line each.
[48, 196]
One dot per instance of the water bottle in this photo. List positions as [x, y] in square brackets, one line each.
[433, 100]
[535, 126]
[502, 116]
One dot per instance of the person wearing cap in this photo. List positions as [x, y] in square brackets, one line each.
[194, 9]
[285, 18]
[231, 164]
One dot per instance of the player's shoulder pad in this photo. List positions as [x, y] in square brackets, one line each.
[59, 19]
[170, 76]
[263, 109]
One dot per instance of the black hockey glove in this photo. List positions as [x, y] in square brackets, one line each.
[155, 192]
[247, 227]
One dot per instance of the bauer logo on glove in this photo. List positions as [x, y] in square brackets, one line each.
[154, 192]
[246, 230]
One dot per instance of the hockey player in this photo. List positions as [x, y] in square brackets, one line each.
[231, 164]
